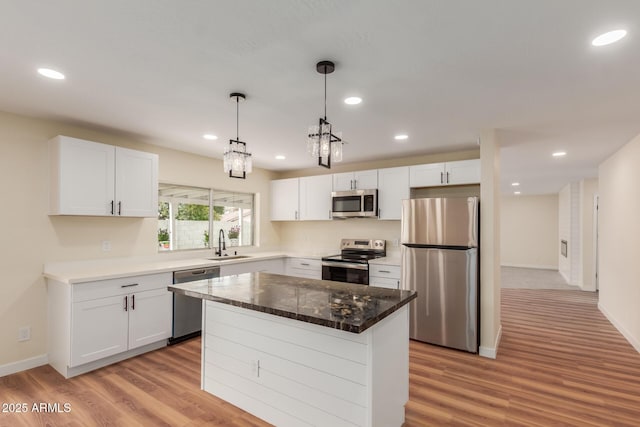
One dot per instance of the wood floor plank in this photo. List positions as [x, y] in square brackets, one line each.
[560, 363]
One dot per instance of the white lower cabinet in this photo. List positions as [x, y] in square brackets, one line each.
[94, 324]
[384, 276]
[309, 268]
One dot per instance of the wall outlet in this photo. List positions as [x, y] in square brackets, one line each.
[106, 246]
[24, 333]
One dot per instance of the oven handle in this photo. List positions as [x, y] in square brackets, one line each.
[345, 265]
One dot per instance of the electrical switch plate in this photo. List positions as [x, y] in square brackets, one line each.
[106, 245]
[24, 333]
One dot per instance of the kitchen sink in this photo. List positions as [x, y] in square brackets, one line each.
[229, 257]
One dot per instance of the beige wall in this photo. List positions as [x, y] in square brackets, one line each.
[619, 233]
[30, 237]
[490, 326]
[529, 231]
[564, 231]
[380, 164]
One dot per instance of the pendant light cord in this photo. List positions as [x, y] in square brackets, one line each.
[237, 118]
[325, 94]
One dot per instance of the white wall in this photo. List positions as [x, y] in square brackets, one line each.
[588, 189]
[529, 231]
[35, 238]
[619, 236]
[564, 232]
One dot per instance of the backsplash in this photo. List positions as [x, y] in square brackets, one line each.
[323, 237]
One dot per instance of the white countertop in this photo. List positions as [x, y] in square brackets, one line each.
[390, 259]
[92, 270]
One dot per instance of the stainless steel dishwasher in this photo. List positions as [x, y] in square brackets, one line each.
[187, 311]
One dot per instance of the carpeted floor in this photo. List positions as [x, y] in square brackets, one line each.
[532, 278]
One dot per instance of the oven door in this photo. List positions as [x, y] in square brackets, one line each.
[345, 272]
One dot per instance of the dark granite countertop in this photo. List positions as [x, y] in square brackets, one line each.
[338, 305]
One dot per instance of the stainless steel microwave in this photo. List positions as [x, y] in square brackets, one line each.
[354, 204]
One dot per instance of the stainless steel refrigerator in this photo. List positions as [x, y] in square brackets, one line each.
[440, 261]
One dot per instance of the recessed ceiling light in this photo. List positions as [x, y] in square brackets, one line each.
[515, 184]
[52, 74]
[401, 137]
[280, 157]
[210, 137]
[559, 154]
[608, 38]
[516, 192]
[353, 100]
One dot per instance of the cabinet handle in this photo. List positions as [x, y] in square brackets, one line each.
[398, 284]
[384, 271]
[304, 263]
[119, 208]
[441, 177]
[125, 303]
[112, 207]
[133, 302]
[355, 184]
[129, 286]
[351, 184]
[296, 215]
[447, 177]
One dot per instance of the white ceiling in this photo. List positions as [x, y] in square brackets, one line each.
[440, 71]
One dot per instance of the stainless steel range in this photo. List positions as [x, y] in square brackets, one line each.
[352, 265]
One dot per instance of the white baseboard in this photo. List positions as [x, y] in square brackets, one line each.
[537, 267]
[491, 352]
[23, 365]
[635, 342]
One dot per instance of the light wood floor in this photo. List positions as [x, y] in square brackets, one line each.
[560, 363]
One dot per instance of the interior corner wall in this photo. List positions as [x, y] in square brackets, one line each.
[619, 229]
[570, 230]
[529, 231]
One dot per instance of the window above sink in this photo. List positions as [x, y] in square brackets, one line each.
[192, 217]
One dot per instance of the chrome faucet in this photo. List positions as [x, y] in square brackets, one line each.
[221, 245]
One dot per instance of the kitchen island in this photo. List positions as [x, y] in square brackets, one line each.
[305, 352]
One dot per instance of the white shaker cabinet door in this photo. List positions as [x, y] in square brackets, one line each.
[98, 329]
[366, 180]
[463, 172]
[136, 183]
[315, 197]
[284, 199]
[393, 188]
[150, 317]
[343, 181]
[428, 175]
[82, 177]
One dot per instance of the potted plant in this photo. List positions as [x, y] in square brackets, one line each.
[163, 238]
[233, 234]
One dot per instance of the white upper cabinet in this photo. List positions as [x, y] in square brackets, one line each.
[315, 197]
[89, 178]
[463, 172]
[307, 198]
[450, 173]
[393, 188]
[360, 180]
[284, 199]
[136, 183]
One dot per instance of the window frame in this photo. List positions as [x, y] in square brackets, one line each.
[211, 191]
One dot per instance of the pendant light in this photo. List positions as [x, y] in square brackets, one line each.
[321, 142]
[237, 161]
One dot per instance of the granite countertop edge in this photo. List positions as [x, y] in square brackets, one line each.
[333, 324]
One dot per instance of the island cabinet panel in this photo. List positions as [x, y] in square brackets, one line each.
[292, 373]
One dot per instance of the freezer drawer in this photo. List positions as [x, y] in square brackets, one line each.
[446, 310]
